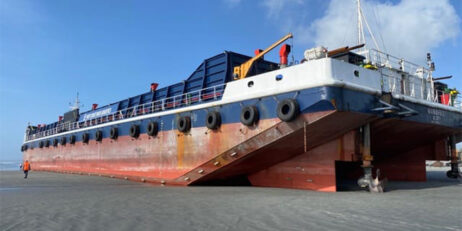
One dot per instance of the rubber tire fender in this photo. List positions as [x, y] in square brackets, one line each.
[85, 138]
[63, 140]
[135, 131]
[47, 143]
[72, 139]
[55, 142]
[213, 120]
[249, 115]
[152, 129]
[99, 135]
[41, 144]
[114, 133]
[451, 174]
[288, 110]
[184, 124]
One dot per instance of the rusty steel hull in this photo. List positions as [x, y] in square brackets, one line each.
[305, 153]
[165, 157]
[301, 154]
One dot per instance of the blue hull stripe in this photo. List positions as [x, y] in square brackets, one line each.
[310, 100]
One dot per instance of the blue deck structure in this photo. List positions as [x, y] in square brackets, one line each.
[205, 84]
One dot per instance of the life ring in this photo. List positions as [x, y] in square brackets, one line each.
[135, 131]
[72, 139]
[114, 133]
[99, 135]
[213, 120]
[153, 129]
[288, 110]
[47, 143]
[184, 124]
[55, 142]
[63, 140]
[85, 138]
[249, 115]
[41, 144]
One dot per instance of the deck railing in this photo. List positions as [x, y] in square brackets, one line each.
[381, 59]
[187, 99]
[416, 83]
[409, 85]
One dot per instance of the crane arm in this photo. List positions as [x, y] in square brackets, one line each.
[343, 50]
[242, 70]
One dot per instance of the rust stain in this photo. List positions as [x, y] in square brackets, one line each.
[180, 149]
[176, 158]
[333, 103]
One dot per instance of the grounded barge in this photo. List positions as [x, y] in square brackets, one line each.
[338, 115]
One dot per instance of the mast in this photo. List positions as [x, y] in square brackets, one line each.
[361, 17]
[76, 103]
[360, 23]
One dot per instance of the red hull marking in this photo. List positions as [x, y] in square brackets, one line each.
[258, 152]
[314, 170]
[270, 154]
[167, 156]
[391, 136]
[266, 150]
[401, 147]
[410, 165]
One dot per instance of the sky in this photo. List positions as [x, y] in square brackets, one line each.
[110, 50]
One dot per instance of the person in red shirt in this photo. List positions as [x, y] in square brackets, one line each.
[26, 168]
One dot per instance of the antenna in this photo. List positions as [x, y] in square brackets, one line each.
[76, 103]
[430, 63]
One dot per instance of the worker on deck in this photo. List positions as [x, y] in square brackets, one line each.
[26, 168]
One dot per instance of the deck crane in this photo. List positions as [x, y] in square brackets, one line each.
[242, 70]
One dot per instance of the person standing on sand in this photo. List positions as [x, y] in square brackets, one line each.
[26, 168]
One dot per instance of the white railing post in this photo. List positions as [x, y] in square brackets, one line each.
[214, 93]
[152, 105]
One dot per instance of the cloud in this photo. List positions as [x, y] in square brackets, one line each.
[407, 29]
[275, 7]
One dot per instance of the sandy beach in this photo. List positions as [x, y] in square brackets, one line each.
[52, 201]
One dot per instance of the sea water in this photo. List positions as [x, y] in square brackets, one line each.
[9, 165]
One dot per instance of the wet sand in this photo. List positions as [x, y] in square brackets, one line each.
[52, 201]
